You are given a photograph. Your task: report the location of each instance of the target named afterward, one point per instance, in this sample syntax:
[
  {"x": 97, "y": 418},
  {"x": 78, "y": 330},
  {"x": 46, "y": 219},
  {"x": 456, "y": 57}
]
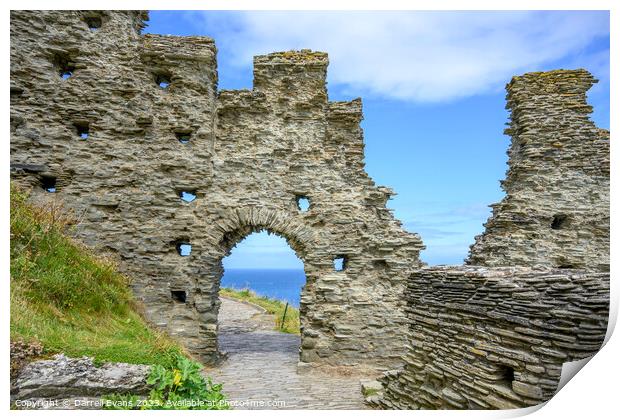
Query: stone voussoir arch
[{"x": 238, "y": 223}]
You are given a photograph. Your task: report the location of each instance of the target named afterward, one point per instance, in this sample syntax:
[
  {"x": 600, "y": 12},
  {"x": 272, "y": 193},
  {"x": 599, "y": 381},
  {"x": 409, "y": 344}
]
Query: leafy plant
[{"x": 182, "y": 387}]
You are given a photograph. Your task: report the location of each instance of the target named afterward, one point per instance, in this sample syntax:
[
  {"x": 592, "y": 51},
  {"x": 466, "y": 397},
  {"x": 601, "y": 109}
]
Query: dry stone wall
[
  {"x": 140, "y": 121},
  {"x": 556, "y": 209},
  {"x": 495, "y": 338}
]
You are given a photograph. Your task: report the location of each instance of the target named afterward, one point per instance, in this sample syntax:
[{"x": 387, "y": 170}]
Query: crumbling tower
[
  {"x": 556, "y": 209},
  {"x": 495, "y": 334}
]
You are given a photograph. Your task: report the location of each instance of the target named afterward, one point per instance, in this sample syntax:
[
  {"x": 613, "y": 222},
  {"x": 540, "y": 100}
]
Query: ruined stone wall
[
  {"x": 556, "y": 208},
  {"x": 495, "y": 338},
  {"x": 247, "y": 156}
]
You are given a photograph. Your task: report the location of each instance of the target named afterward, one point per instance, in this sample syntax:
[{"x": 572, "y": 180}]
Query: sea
[{"x": 282, "y": 284}]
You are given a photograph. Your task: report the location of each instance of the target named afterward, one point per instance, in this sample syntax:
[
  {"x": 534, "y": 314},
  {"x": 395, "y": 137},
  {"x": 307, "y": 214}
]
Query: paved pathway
[{"x": 262, "y": 366}]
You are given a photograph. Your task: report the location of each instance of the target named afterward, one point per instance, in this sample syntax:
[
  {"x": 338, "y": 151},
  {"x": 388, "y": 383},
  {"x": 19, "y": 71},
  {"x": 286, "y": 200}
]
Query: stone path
[{"x": 261, "y": 367}]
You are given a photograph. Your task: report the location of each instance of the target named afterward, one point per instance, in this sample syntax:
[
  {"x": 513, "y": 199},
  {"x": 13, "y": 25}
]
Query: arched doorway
[
  {"x": 241, "y": 223},
  {"x": 262, "y": 364},
  {"x": 351, "y": 305},
  {"x": 260, "y": 290},
  {"x": 266, "y": 264}
]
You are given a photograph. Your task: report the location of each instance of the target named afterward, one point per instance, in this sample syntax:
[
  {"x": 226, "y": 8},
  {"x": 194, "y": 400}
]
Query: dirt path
[{"x": 261, "y": 367}]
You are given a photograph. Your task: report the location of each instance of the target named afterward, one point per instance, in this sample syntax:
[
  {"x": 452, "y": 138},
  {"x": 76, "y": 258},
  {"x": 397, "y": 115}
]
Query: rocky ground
[
  {"x": 261, "y": 369},
  {"x": 74, "y": 383}
]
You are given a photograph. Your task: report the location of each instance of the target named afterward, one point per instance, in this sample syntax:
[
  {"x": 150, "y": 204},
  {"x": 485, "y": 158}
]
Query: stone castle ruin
[
  {"x": 556, "y": 209},
  {"x": 123, "y": 127},
  {"x": 496, "y": 334}
]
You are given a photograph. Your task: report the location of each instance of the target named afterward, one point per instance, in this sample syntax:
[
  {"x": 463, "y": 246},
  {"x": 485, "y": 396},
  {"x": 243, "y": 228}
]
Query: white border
[{"x": 592, "y": 395}]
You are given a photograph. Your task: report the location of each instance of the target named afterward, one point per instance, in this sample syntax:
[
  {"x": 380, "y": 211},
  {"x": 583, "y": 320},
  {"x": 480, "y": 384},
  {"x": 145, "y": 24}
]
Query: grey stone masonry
[
  {"x": 556, "y": 208},
  {"x": 495, "y": 338},
  {"x": 495, "y": 334},
  {"x": 62, "y": 380},
  {"x": 121, "y": 125}
]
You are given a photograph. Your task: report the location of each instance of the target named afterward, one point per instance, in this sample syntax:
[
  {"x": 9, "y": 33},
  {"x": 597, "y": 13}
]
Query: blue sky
[{"x": 432, "y": 85}]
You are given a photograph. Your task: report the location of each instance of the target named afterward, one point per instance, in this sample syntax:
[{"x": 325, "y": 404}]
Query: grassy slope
[
  {"x": 71, "y": 301},
  {"x": 272, "y": 306}
]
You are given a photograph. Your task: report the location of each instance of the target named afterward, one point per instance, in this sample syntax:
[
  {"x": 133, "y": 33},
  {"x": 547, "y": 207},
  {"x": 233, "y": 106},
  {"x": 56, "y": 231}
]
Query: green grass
[
  {"x": 369, "y": 392},
  {"x": 71, "y": 301},
  {"x": 272, "y": 306}
]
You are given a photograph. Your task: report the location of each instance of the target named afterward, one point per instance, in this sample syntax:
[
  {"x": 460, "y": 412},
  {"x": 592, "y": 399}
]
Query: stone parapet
[{"x": 494, "y": 338}]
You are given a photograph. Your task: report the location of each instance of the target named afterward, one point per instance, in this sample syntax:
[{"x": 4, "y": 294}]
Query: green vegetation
[
  {"x": 179, "y": 388},
  {"x": 367, "y": 392},
  {"x": 272, "y": 306},
  {"x": 67, "y": 300},
  {"x": 70, "y": 301}
]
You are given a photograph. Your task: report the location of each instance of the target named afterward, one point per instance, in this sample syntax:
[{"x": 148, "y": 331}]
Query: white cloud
[{"x": 419, "y": 56}]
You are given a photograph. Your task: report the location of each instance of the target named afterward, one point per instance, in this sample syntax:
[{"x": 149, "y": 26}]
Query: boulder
[{"x": 62, "y": 378}]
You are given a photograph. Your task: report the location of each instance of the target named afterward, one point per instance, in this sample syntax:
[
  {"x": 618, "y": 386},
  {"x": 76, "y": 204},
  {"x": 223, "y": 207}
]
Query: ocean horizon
[{"x": 284, "y": 284}]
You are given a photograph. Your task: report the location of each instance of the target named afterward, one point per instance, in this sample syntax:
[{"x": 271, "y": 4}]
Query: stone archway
[{"x": 241, "y": 224}]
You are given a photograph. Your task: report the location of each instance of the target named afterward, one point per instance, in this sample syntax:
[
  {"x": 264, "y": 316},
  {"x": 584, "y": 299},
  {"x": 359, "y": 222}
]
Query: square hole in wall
[
  {"x": 559, "y": 221},
  {"x": 16, "y": 92},
  {"x": 303, "y": 203},
  {"x": 48, "y": 183},
  {"x": 187, "y": 196},
  {"x": 64, "y": 65},
  {"x": 83, "y": 129},
  {"x": 183, "y": 248},
  {"x": 163, "y": 79},
  {"x": 380, "y": 264},
  {"x": 507, "y": 375},
  {"x": 183, "y": 136},
  {"x": 93, "y": 22},
  {"x": 179, "y": 295},
  {"x": 340, "y": 263}
]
